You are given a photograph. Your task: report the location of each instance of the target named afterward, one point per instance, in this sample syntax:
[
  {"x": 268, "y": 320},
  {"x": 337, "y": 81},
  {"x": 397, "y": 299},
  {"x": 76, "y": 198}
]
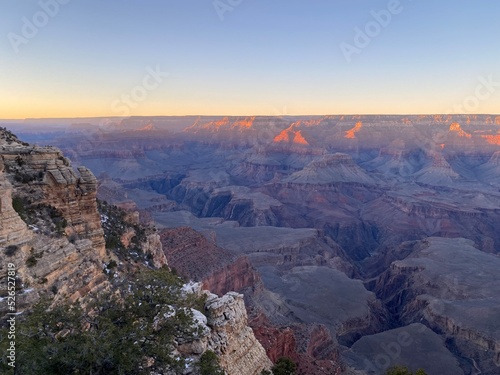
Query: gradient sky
[{"x": 266, "y": 57}]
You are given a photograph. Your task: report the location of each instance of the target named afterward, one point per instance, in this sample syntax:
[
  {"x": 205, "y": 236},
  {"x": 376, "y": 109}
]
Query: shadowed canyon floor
[{"x": 365, "y": 241}]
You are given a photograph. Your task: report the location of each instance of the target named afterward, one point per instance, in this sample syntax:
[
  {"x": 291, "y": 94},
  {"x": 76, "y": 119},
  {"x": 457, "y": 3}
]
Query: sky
[{"x": 84, "y": 58}]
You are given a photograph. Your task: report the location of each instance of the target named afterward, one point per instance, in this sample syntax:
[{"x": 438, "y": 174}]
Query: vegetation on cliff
[
  {"x": 400, "y": 370},
  {"x": 130, "y": 331},
  {"x": 115, "y": 224}
]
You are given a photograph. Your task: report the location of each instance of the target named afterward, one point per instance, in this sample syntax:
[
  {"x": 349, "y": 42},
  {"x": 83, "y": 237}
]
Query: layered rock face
[
  {"x": 45, "y": 188},
  {"x": 195, "y": 257},
  {"x": 224, "y": 330},
  {"x": 154, "y": 247},
  {"x": 452, "y": 286},
  {"x": 237, "y": 276},
  {"x": 232, "y": 339},
  {"x": 192, "y": 255},
  {"x": 46, "y": 176},
  {"x": 13, "y": 229}
]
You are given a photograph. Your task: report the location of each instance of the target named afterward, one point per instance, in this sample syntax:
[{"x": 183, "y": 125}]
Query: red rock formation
[
  {"x": 278, "y": 342},
  {"x": 291, "y": 135},
  {"x": 235, "y": 276},
  {"x": 492, "y": 139},
  {"x": 192, "y": 255},
  {"x": 195, "y": 257},
  {"x": 351, "y": 134},
  {"x": 226, "y": 122},
  {"x": 456, "y": 128},
  {"x": 311, "y": 347}
]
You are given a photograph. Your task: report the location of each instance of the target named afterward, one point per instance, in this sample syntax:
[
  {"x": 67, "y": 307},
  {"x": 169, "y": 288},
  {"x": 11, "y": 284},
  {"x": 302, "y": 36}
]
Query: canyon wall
[{"x": 60, "y": 238}]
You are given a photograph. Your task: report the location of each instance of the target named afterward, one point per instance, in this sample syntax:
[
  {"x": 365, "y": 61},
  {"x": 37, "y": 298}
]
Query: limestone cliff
[
  {"x": 152, "y": 246},
  {"x": 46, "y": 176},
  {"x": 13, "y": 229},
  {"x": 197, "y": 258},
  {"x": 49, "y": 224},
  {"x": 231, "y": 338}
]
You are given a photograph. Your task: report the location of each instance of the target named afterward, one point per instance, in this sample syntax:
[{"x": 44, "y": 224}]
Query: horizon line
[{"x": 222, "y": 115}]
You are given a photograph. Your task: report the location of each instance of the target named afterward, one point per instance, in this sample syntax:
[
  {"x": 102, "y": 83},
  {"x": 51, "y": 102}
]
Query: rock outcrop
[
  {"x": 13, "y": 229},
  {"x": 199, "y": 259},
  {"x": 45, "y": 176},
  {"x": 154, "y": 248},
  {"x": 452, "y": 287},
  {"x": 232, "y": 339},
  {"x": 50, "y": 228},
  {"x": 235, "y": 276}
]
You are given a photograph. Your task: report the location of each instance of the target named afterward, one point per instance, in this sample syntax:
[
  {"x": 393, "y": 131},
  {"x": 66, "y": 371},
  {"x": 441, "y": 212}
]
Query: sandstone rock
[
  {"x": 13, "y": 229},
  {"x": 154, "y": 247},
  {"x": 239, "y": 351},
  {"x": 49, "y": 262}
]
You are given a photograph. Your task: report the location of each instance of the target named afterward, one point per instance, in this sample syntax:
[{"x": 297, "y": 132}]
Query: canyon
[
  {"x": 54, "y": 233},
  {"x": 356, "y": 242}
]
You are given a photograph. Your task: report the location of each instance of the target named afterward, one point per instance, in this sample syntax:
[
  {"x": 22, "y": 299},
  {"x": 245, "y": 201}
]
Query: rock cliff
[
  {"x": 196, "y": 258},
  {"x": 451, "y": 286},
  {"x": 13, "y": 229},
  {"x": 232, "y": 339},
  {"x": 49, "y": 228}
]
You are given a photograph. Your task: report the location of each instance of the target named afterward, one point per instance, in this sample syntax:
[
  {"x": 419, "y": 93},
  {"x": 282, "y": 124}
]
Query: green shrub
[
  {"x": 209, "y": 364},
  {"x": 73, "y": 238},
  {"x": 117, "y": 336},
  {"x": 11, "y": 250},
  {"x": 20, "y": 161},
  {"x": 284, "y": 366},
  {"x": 31, "y": 261},
  {"x": 33, "y": 258},
  {"x": 401, "y": 370},
  {"x": 19, "y": 205}
]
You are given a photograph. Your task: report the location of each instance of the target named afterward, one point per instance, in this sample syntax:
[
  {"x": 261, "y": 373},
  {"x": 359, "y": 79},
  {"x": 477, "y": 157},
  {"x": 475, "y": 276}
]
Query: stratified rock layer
[
  {"x": 66, "y": 264},
  {"x": 239, "y": 351}
]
